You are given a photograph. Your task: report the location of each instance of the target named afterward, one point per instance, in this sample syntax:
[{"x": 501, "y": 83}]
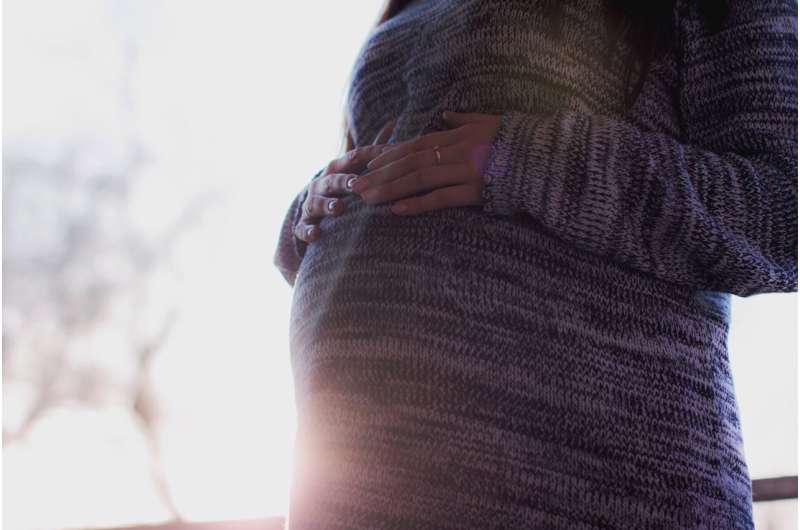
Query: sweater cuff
[
  {"x": 300, "y": 245},
  {"x": 291, "y": 250},
  {"x": 514, "y": 174}
]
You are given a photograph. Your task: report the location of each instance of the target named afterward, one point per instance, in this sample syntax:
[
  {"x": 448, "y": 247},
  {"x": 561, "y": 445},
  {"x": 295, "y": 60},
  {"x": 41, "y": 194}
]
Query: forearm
[
  {"x": 714, "y": 209},
  {"x": 716, "y": 221}
]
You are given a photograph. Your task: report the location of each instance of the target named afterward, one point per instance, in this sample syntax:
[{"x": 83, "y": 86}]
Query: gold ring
[{"x": 438, "y": 155}]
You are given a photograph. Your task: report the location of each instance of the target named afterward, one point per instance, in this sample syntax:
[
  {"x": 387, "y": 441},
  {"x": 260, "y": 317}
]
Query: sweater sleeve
[
  {"x": 715, "y": 210},
  {"x": 290, "y": 249}
]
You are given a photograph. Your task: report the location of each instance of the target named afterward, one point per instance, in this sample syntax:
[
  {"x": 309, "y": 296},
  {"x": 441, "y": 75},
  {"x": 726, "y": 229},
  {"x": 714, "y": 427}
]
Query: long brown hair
[{"x": 646, "y": 24}]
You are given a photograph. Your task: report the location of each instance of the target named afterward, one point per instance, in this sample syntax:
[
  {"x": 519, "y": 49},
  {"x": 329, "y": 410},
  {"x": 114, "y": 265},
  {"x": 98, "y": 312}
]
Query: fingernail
[
  {"x": 332, "y": 205},
  {"x": 370, "y": 163},
  {"x": 360, "y": 184},
  {"x": 310, "y": 231},
  {"x": 349, "y": 183},
  {"x": 399, "y": 208}
]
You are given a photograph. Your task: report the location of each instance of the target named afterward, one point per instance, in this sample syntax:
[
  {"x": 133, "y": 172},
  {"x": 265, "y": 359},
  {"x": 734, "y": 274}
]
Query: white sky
[{"x": 241, "y": 97}]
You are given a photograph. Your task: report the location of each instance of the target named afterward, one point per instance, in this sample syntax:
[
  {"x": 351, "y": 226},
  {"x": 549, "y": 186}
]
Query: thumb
[
  {"x": 461, "y": 118},
  {"x": 385, "y": 133}
]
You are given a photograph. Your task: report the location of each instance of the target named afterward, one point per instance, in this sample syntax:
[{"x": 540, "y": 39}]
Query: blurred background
[{"x": 150, "y": 152}]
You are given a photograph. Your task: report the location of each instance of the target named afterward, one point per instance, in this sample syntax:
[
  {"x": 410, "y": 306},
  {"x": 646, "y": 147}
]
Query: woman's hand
[
  {"x": 411, "y": 167},
  {"x": 336, "y": 181}
]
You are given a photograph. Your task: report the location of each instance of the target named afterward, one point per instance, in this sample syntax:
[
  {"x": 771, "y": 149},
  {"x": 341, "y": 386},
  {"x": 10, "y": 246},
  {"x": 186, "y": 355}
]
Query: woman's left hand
[{"x": 411, "y": 167}]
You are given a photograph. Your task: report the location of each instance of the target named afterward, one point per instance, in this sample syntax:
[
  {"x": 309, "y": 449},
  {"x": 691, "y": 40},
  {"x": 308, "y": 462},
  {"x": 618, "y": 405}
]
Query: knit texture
[{"x": 556, "y": 356}]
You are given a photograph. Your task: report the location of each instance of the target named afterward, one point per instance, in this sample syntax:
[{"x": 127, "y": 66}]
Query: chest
[{"x": 489, "y": 56}]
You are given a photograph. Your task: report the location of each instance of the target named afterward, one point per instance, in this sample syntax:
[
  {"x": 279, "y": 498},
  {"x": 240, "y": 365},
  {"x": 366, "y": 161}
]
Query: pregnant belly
[
  {"x": 462, "y": 294},
  {"x": 455, "y": 350}
]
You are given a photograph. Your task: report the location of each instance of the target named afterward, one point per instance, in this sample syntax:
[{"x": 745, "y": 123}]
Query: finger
[
  {"x": 385, "y": 133},
  {"x": 463, "y": 118},
  {"x": 449, "y": 197},
  {"x": 450, "y": 154},
  {"x": 355, "y": 160},
  {"x": 318, "y": 206},
  {"x": 399, "y": 150},
  {"x": 334, "y": 185},
  {"x": 306, "y": 232},
  {"x": 424, "y": 179}
]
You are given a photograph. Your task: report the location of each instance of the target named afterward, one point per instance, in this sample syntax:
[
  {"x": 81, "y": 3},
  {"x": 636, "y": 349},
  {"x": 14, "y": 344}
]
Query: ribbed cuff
[
  {"x": 300, "y": 245},
  {"x": 512, "y": 173},
  {"x": 290, "y": 251}
]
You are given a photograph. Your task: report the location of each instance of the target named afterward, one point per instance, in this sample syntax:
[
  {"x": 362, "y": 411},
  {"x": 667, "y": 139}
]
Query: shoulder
[
  {"x": 738, "y": 77},
  {"x": 724, "y": 19},
  {"x": 736, "y": 34}
]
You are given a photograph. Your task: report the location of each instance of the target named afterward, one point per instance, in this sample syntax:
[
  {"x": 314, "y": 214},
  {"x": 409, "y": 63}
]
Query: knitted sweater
[{"x": 556, "y": 356}]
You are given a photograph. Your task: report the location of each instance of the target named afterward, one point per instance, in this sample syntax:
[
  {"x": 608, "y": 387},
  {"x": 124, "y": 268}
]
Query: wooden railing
[{"x": 775, "y": 489}]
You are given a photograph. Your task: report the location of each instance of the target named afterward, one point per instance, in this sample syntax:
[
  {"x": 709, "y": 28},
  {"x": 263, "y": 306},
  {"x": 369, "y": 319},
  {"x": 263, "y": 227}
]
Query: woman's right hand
[{"x": 337, "y": 181}]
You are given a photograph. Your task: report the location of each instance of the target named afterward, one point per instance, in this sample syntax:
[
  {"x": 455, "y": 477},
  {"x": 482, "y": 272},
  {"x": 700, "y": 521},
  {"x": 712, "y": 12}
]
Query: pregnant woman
[{"x": 539, "y": 339}]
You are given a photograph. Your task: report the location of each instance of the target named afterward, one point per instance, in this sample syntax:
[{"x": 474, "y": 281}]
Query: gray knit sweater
[{"x": 555, "y": 357}]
